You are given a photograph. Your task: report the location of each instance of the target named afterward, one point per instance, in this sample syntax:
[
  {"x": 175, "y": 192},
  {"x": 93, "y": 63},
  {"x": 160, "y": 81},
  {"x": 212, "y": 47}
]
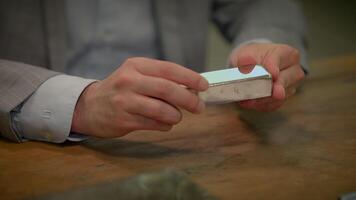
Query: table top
[{"x": 305, "y": 150}]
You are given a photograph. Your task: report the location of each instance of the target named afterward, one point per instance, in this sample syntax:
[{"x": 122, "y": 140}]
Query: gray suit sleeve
[
  {"x": 17, "y": 82},
  {"x": 280, "y": 21}
]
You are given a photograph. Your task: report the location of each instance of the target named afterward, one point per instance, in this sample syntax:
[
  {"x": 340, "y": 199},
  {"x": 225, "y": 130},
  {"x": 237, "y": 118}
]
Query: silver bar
[{"x": 230, "y": 85}]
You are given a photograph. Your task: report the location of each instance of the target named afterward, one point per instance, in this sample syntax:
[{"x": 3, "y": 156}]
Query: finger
[
  {"x": 272, "y": 106},
  {"x": 247, "y": 104},
  {"x": 154, "y": 109},
  {"x": 291, "y": 76},
  {"x": 281, "y": 95},
  {"x": 175, "y": 73},
  {"x": 288, "y": 56},
  {"x": 269, "y": 103},
  {"x": 290, "y": 92},
  {"x": 244, "y": 57},
  {"x": 171, "y": 92},
  {"x": 256, "y": 54},
  {"x": 273, "y": 57},
  {"x": 246, "y": 69},
  {"x": 138, "y": 122},
  {"x": 281, "y": 55},
  {"x": 278, "y": 92}
]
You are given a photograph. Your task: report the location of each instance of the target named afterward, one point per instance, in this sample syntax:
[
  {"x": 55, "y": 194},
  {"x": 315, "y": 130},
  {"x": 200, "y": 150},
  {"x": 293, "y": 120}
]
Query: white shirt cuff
[{"x": 47, "y": 114}]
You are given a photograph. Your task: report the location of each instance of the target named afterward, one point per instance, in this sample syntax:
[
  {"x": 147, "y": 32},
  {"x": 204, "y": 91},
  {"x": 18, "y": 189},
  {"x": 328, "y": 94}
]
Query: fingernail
[
  {"x": 203, "y": 84},
  {"x": 201, "y": 106}
]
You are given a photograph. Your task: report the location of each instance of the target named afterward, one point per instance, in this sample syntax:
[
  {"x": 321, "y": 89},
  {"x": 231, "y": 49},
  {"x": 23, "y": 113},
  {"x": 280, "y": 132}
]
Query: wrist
[{"x": 81, "y": 110}]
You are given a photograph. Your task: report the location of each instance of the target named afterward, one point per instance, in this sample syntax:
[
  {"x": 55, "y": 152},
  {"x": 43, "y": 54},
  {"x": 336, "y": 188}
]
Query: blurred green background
[{"x": 331, "y": 32}]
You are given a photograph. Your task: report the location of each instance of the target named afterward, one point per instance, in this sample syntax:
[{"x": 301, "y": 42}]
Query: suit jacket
[{"x": 33, "y": 38}]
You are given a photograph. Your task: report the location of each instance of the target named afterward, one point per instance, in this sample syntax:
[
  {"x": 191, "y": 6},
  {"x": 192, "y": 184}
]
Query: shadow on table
[
  {"x": 278, "y": 127},
  {"x": 168, "y": 184},
  {"x": 134, "y": 149}
]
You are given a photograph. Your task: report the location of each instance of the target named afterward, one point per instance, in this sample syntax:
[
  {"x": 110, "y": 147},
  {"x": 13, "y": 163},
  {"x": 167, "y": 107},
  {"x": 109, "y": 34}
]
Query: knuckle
[
  {"x": 272, "y": 65},
  {"x": 170, "y": 116},
  {"x": 166, "y": 70},
  {"x": 124, "y": 79},
  {"x": 176, "y": 117},
  {"x": 282, "y": 82},
  {"x": 164, "y": 90},
  {"x": 194, "y": 102},
  {"x": 130, "y": 62},
  {"x": 284, "y": 47},
  {"x": 295, "y": 55},
  {"x": 300, "y": 75},
  {"x": 197, "y": 80},
  {"x": 269, "y": 62},
  {"x": 133, "y": 62},
  {"x": 158, "y": 110},
  {"x": 283, "y": 97},
  {"x": 272, "y": 49},
  {"x": 295, "y": 52}
]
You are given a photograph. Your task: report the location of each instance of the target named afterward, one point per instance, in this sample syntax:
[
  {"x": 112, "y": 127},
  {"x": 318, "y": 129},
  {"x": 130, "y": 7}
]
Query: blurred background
[{"x": 331, "y": 32}]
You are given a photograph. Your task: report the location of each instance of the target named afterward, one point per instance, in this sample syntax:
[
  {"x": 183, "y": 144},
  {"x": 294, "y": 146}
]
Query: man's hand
[
  {"x": 143, "y": 94},
  {"x": 281, "y": 61}
]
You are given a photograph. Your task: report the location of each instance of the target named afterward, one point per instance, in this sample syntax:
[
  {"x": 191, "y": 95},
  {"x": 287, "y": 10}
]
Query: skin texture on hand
[
  {"x": 281, "y": 61},
  {"x": 142, "y": 94}
]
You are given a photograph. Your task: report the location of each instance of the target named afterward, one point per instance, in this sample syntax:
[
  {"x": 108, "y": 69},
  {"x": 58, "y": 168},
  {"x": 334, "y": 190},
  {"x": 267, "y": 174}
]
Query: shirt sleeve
[{"x": 47, "y": 114}]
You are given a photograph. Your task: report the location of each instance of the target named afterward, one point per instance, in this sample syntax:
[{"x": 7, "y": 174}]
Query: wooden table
[{"x": 306, "y": 150}]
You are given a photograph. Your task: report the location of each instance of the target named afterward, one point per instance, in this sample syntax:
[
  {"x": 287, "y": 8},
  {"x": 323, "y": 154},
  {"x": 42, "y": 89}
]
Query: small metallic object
[{"x": 230, "y": 85}]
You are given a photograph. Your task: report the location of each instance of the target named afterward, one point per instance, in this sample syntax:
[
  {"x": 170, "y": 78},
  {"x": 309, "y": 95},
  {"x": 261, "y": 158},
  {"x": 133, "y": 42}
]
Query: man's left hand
[{"x": 281, "y": 61}]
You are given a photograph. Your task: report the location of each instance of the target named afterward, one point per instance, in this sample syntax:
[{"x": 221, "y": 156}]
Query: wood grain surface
[{"x": 306, "y": 150}]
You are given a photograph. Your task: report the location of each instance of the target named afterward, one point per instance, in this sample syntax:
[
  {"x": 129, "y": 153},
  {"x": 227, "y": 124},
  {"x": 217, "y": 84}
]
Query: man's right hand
[{"x": 142, "y": 94}]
